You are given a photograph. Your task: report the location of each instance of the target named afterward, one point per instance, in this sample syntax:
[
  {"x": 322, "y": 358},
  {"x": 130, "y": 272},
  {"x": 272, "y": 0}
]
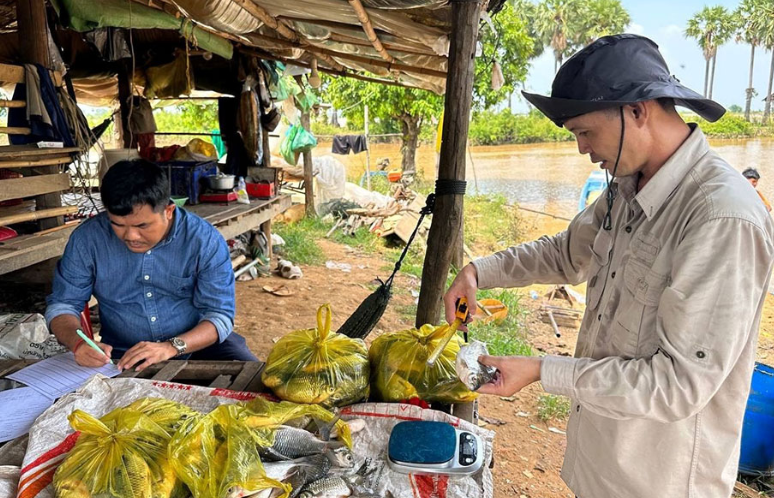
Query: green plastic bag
[
  {"x": 303, "y": 141},
  {"x": 286, "y": 147}
]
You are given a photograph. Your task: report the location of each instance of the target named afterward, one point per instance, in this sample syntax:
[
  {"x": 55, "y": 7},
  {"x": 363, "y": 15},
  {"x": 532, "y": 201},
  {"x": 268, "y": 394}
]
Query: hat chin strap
[{"x": 607, "y": 222}]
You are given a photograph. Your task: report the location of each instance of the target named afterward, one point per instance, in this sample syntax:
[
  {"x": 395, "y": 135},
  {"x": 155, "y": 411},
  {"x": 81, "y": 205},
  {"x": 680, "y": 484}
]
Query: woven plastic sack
[
  {"x": 399, "y": 368},
  {"x": 317, "y": 366},
  {"x": 123, "y": 454},
  {"x": 216, "y": 455}
]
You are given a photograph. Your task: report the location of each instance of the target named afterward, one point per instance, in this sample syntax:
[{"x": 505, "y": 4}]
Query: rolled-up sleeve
[
  {"x": 705, "y": 316},
  {"x": 73, "y": 279},
  {"x": 560, "y": 259},
  {"x": 215, "y": 295}
]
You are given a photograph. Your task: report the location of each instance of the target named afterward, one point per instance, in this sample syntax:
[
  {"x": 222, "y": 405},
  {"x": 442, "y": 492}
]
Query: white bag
[{"x": 26, "y": 337}]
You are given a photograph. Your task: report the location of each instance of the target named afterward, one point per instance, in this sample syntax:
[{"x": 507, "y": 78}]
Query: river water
[{"x": 549, "y": 177}]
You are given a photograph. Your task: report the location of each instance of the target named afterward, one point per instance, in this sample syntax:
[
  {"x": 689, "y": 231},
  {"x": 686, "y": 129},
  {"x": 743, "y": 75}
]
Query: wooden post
[
  {"x": 447, "y": 217},
  {"x": 33, "y": 30},
  {"x": 308, "y": 174}
]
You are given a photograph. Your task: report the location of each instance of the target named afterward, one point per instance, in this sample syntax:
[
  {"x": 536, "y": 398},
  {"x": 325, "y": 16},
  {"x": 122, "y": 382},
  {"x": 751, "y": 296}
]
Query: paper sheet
[
  {"x": 59, "y": 375},
  {"x": 18, "y": 410}
]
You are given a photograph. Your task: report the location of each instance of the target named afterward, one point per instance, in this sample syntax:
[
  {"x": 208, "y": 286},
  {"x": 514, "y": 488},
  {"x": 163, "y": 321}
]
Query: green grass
[
  {"x": 301, "y": 241},
  {"x": 553, "y": 407},
  {"x": 506, "y": 338},
  {"x": 491, "y": 224}
]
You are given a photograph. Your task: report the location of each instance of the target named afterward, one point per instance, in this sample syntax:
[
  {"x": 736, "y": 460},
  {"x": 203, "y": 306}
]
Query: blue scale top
[{"x": 422, "y": 442}]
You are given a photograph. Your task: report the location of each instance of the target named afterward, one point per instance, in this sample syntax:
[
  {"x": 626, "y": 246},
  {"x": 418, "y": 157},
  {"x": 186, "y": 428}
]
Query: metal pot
[{"x": 220, "y": 182}]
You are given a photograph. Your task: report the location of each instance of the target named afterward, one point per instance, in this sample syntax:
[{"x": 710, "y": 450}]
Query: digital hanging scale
[{"x": 425, "y": 447}]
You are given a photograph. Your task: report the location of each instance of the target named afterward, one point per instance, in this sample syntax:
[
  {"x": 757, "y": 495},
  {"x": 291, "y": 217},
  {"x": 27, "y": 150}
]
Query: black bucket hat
[{"x": 612, "y": 72}]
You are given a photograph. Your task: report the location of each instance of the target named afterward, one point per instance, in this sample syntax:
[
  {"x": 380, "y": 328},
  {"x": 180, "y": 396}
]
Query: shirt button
[
  {"x": 700, "y": 354},
  {"x": 147, "y": 277},
  {"x": 577, "y": 408},
  {"x": 599, "y": 317},
  {"x": 153, "y": 318},
  {"x": 612, "y": 275},
  {"x": 148, "y": 252},
  {"x": 150, "y": 294},
  {"x": 628, "y": 229}
]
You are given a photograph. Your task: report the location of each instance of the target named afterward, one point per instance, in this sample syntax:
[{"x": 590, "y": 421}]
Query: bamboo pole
[
  {"x": 13, "y": 103},
  {"x": 15, "y": 130},
  {"x": 344, "y": 73},
  {"x": 365, "y": 21},
  {"x": 31, "y": 163},
  {"x": 320, "y": 52},
  {"x": 37, "y": 215},
  {"x": 263, "y": 15}
]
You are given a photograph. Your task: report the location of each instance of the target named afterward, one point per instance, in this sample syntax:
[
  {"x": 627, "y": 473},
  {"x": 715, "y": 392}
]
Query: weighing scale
[{"x": 425, "y": 447}]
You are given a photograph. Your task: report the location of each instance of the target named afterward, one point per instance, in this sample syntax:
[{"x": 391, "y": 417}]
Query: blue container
[
  {"x": 757, "y": 453},
  {"x": 187, "y": 177},
  {"x": 595, "y": 184}
]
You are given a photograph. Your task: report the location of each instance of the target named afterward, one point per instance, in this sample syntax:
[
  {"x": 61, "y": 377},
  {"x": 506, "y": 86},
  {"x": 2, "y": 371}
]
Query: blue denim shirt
[{"x": 153, "y": 296}]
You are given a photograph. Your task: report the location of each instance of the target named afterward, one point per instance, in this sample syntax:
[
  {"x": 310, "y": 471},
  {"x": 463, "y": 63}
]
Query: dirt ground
[{"x": 528, "y": 451}]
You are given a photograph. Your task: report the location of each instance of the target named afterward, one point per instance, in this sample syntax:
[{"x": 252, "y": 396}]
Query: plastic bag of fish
[
  {"x": 317, "y": 366},
  {"x": 124, "y": 453},
  {"x": 224, "y": 454},
  {"x": 399, "y": 369}
]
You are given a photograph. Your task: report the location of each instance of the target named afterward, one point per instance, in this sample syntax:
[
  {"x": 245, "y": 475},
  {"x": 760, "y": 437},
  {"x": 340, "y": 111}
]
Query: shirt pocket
[
  {"x": 177, "y": 286},
  {"x": 600, "y": 258},
  {"x": 635, "y": 324}
]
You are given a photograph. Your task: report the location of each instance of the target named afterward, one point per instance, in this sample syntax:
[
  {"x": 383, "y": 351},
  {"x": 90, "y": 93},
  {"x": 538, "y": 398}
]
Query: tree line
[{"x": 752, "y": 22}]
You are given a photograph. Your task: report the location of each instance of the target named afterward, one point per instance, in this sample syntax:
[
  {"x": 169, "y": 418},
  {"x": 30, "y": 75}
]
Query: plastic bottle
[{"x": 242, "y": 196}]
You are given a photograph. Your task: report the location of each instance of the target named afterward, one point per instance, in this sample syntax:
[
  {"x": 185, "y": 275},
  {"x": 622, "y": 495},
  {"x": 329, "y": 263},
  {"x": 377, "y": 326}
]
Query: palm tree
[
  {"x": 556, "y": 22},
  {"x": 749, "y": 24},
  {"x": 712, "y": 27},
  {"x": 767, "y": 41},
  {"x": 601, "y": 18}
]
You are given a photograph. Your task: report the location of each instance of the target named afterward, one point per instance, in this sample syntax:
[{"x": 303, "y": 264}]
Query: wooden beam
[
  {"x": 391, "y": 66},
  {"x": 446, "y": 226},
  {"x": 365, "y": 21},
  {"x": 13, "y": 103},
  {"x": 17, "y": 188},
  {"x": 12, "y": 152},
  {"x": 263, "y": 15},
  {"x": 39, "y": 214},
  {"x": 15, "y": 130},
  {"x": 344, "y": 73}
]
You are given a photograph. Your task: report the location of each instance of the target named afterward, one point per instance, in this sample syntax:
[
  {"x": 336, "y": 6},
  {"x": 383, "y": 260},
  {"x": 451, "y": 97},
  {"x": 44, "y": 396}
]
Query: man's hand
[
  {"x": 464, "y": 285},
  {"x": 143, "y": 354},
  {"x": 86, "y": 356},
  {"x": 515, "y": 373}
]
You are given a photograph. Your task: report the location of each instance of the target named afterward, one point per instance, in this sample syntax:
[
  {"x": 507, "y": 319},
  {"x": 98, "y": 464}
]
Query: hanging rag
[
  {"x": 43, "y": 114},
  {"x": 343, "y": 144}
]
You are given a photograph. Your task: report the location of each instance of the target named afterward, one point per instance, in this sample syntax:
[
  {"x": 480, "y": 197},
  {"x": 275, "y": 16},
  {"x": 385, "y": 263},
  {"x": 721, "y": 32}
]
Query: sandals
[{"x": 279, "y": 291}]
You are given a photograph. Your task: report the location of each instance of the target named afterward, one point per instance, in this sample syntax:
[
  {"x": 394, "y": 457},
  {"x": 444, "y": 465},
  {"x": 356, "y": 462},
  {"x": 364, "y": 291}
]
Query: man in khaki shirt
[{"x": 677, "y": 255}]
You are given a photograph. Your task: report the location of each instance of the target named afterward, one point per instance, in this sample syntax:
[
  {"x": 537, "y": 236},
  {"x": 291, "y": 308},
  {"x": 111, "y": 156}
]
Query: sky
[{"x": 664, "y": 22}]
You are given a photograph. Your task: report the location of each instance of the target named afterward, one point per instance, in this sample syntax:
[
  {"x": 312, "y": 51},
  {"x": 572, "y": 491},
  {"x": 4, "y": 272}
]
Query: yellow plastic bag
[
  {"x": 123, "y": 454},
  {"x": 317, "y": 366},
  {"x": 399, "y": 367},
  {"x": 216, "y": 455}
]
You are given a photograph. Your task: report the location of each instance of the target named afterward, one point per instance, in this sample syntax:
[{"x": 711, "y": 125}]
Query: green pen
[{"x": 91, "y": 343}]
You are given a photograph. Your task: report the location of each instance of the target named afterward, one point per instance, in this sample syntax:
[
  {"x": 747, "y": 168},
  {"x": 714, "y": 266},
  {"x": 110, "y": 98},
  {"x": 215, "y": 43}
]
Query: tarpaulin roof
[{"x": 402, "y": 42}]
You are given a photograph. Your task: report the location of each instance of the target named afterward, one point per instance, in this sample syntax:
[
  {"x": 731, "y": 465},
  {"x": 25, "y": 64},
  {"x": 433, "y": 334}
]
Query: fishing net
[
  {"x": 317, "y": 366},
  {"x": 399, "y": 367},
  {"x": 216, "y": 455},
  {"x": 124, "y": 453}
]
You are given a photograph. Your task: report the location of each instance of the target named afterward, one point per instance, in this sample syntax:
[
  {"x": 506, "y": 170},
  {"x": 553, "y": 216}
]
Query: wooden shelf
[{"x": 8, "y": 152}]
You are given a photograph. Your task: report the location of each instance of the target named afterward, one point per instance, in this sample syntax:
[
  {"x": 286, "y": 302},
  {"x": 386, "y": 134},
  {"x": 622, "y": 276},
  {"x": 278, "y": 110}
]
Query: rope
[
  {"x": 450, "y": 187},
  {"x": 428, "y": 209}
]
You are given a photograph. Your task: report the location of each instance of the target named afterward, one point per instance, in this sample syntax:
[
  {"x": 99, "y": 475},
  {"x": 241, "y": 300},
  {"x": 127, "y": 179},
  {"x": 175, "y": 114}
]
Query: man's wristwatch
[{"x": 178, "y": 344}]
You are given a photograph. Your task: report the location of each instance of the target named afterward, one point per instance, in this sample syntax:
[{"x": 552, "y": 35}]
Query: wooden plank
[
  {"x": 13, "y": 103},
  {"x": 12, "y": 73},
  {"x": 169, "y": 370},
  {"x": 15, "y": 130},
  {"x": 30, "y": 151},
  {"x": 16, "y": 188},
  {"x": 31, "y": 163},
  {"x": 28, "y": 249},
  {"x": 11, "y": 366},
  {"x": 745, "y": 490},
  {"x": 38, "y": 214},
  {"x": 221, "y": 381},
  {"x": 250, "y": 370},
  {"x": 256, "y": 384}
]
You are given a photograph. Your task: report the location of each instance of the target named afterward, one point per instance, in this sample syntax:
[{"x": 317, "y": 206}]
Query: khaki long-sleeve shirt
[{"x": 665, "y": 353}]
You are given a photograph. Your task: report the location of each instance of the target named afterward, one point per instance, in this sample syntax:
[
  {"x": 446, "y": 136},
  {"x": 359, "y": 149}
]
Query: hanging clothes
[
  {"x": 343, "y": 144},
  {"x": 43, "y": 115}
]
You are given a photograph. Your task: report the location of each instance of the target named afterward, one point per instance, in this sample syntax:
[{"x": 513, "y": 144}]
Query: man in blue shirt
[{"x": 162, "y": 277}]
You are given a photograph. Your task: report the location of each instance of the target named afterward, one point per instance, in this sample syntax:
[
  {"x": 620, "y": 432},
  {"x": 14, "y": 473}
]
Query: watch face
[{"x": 179, "y": 344}]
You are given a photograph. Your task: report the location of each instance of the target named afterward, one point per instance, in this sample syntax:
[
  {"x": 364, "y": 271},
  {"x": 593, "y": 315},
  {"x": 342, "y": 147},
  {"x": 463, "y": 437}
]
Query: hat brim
[{"x": 560, "y": 110}]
